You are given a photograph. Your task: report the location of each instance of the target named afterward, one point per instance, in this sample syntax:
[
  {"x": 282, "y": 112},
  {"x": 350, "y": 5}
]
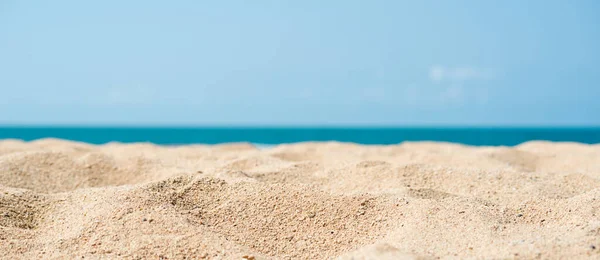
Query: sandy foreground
[{"x": 62, "y": 199}]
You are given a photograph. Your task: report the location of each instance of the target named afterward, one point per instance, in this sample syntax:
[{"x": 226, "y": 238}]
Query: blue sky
[{"x": 300, "y": 62}]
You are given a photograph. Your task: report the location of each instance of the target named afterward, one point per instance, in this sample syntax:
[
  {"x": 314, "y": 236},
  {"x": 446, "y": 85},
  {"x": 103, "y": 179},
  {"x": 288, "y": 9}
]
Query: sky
[{"x": 365, "y": 63}]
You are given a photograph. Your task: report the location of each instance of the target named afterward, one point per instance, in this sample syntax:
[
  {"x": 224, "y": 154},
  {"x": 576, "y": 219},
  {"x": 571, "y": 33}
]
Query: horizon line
[{"x": 301, "y": 126}]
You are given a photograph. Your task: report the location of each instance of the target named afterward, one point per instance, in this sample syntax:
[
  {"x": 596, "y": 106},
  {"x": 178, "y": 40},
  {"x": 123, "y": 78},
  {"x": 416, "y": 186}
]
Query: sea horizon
[{"x": 273, "y": 135}]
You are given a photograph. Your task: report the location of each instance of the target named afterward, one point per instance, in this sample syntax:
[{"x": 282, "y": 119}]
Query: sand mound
[
  {"x": 20, "y": 209},
  {"x": 50, "y": 172},
  {"x": 61, "y": 199},
  {"x": 280, "y": 220}
]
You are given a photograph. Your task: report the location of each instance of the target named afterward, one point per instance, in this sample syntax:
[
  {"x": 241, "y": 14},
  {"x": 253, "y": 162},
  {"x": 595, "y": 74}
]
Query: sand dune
[{"x": 424, "y": 200}]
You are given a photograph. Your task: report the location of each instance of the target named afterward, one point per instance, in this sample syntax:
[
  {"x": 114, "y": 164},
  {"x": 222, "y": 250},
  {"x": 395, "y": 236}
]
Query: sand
[{"x": 67, "y": 200}]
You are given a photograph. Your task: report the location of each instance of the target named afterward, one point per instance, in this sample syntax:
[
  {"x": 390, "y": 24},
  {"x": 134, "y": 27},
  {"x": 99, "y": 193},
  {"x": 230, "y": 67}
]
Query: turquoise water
[{"x": 272, "y": 135}]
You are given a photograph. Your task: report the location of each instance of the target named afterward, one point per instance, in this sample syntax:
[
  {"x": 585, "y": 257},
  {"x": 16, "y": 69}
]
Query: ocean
[{"x": 277, "y": 135}]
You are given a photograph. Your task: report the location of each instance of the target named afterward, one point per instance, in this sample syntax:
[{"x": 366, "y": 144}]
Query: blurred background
[{"x": 310, "y": 64}]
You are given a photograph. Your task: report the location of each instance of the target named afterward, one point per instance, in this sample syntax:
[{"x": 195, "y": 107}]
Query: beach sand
[{"x": 62, "y": 199}]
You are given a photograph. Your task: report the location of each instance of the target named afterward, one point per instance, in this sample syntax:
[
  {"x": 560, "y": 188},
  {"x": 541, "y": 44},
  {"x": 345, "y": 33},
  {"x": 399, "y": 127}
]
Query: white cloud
[
  {"x": 439, "y": 73},
  {"x": 457, "y": 83}
]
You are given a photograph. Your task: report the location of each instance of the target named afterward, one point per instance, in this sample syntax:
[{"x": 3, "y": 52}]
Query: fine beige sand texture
[{"x": 68, "y": 200}]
